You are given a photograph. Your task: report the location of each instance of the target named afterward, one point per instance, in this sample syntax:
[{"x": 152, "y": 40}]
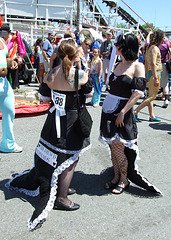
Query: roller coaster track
[
  {"x": 98, "y": 13},
  {"x": 121, "y": 12},
  {"x": 125, "y": 16}
]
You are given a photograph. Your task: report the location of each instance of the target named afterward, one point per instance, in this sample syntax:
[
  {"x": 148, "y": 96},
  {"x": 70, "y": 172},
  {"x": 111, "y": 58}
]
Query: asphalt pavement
[{"x": 135, "y": 214}]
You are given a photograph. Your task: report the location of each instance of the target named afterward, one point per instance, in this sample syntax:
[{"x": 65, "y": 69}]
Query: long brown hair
[
  {"x": 67, "y": 51},
  {"x": 156, "y": 38}
]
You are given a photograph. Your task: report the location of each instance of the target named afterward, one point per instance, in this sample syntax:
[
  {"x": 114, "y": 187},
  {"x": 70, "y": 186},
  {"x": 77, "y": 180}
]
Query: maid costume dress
[
  {"x": 121, "y": 88},
  {"x": 59, "y": 147}
]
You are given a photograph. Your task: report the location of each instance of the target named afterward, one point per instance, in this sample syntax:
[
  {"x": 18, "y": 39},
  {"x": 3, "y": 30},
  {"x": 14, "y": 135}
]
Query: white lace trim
[
  {"x": 30, "y": 193},
  {"x": 127, "y": 143},
  {"x": 131, "y": 144},
  {"x": 58, "y": 149},
  {"x": 53, "y": 191},
  {"x": 145, "y": 180}
]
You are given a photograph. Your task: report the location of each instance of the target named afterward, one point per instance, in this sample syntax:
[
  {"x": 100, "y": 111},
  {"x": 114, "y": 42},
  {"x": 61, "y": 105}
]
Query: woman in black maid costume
[
  {"x": 60, "y": 145},
  {"x": 118, "y": 128}
]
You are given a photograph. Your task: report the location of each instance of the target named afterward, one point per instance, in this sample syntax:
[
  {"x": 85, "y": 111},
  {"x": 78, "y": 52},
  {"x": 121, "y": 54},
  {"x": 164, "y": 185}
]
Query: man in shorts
[{"x": 48, "y": 50}]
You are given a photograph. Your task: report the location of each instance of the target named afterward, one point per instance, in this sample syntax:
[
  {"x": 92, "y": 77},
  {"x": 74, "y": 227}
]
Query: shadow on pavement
[
  {"x": 10, "y": 194},
  {"x": 161, "y": 126},
  {"x": 93, "y": 184}
]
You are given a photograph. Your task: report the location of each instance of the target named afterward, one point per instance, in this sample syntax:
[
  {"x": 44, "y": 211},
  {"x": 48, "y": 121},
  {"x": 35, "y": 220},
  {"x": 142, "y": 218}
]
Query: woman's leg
[
  {"x": 153, "y": 91},
  {"x": 97, "y": 90},
  {"x": 96, "y": 96},
  {"x": 149, "y": 101},
  {"x": 64, "y": 183},
  {"x": 150, "y": 109},
  {"x": 115, "y": 164},
  {"x": 8, "y": 113},
  {"x": 144, "y": 103},
  {"x": 116, "y": 177},
  {"x": 122, "y": 164}
]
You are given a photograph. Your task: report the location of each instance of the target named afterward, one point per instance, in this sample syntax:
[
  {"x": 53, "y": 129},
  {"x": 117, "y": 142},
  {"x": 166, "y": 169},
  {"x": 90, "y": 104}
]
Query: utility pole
[{"x": 78, "y": 15}]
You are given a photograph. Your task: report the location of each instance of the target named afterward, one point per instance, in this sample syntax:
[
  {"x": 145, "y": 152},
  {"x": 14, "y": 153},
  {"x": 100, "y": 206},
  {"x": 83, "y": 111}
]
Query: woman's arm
[
  {"x": 148, "y": 37},
  {"x": 138, "y": 73},
  {"x": 153, "y": 57},
  {"x": 131, "y": 102}
]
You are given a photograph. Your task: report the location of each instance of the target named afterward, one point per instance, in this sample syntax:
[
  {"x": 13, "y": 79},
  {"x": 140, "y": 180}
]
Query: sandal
[
  {"x": 111, "y": 185},
  {"x": 120, "y": 189}
]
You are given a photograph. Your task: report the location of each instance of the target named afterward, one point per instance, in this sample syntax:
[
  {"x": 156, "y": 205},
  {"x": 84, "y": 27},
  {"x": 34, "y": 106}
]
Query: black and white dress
[
  {"x": 121, "y": 88},
  {"x": 59, "y": 147}
]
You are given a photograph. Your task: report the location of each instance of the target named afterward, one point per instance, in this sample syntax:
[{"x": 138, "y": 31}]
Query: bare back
[{"x": 55, "y": 79}]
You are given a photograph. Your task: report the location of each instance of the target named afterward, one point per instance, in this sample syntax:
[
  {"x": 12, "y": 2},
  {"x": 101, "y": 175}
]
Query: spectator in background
[
  {"x": 37, "y": 48},
  {"x": 153, "y": 69},
  {"x": 54, "y": 60},
  {"x": 85, "y": 57},
  {"x": 164, "y": 83},
  {"x": 96, "y": 77},
  {"x": 48, "y": 50},
  {"x": 12, "y": 71},
  {"x": 41, "y": 63},
  {"x": 106, "y": 49},
  {"x": 8, "y": 143},
  {"x": 95, "y": 44}
]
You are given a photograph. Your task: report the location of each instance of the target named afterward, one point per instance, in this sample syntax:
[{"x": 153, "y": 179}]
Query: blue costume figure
[
  {"x": 94, "y": 44},
  {"x": 6, "y": 106},
  {"x": 96, "y": 77}
]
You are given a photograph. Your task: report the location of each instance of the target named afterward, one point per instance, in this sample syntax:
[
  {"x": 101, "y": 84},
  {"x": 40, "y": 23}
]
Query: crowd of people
[{"x": 70, "y": 72}]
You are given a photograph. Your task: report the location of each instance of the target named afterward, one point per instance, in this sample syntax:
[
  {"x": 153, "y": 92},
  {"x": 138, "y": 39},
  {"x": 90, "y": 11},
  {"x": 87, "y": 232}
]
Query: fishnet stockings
[{"x": 120, "y": 162}]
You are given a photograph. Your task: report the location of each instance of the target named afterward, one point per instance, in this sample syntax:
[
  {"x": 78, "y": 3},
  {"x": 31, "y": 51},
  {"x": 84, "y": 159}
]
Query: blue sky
[{"x": 151, "y": 11}]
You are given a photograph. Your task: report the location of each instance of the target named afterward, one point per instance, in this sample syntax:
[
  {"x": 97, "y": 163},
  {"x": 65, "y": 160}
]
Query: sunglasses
[{"x": 87, "y": 44}]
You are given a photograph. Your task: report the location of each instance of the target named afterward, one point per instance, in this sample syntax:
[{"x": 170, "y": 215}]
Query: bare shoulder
[
  {"x": 138, "y": 64},
  {"x": 50, "y": 76},
  {"x": 139, "y": 69},
  {"x": 154, "y": 49},
  {"x": 100, "y": 61}
]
